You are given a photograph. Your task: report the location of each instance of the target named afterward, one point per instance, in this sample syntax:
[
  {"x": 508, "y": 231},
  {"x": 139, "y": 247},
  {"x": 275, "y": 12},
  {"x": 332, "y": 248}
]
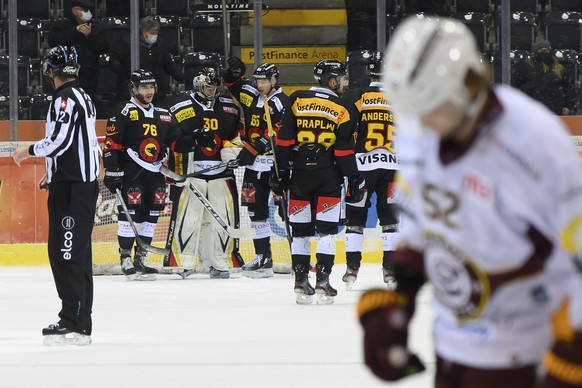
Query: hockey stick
[
  {"x": 142, "y": 244},
  {"x": 283, "y": 200},
  {"x": 181, "y": 178},
  {"x": 232, "y": 232}
]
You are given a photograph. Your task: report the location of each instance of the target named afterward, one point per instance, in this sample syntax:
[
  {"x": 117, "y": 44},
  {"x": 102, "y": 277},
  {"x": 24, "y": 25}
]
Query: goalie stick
[
  {"x": 142, "y": 244},
  {"x": 181, "y": 178},
  {"x": 283, "y": 198},
  {"x": 232, "y": 232}
]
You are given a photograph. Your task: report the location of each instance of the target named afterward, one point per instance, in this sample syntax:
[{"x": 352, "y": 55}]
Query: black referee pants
[{"x": 71, "y": 210}]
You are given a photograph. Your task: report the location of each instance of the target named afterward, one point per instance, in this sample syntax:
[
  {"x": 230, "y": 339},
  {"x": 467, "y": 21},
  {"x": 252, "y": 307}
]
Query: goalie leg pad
[{"x": 187, "y": 229}]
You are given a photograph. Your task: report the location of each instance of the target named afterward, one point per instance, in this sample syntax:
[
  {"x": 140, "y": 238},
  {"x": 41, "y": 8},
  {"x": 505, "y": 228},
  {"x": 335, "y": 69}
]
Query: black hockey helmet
[
  {"x": 63, "y": 60},
  {"x": 142, "y": 77},
  {"x": 326, "y": 69},
  {"x": 375, "y": 65},
  {"x": 266, "y": 71}
]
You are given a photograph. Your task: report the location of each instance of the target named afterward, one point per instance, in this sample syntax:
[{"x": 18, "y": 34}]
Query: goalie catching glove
[
  {"x": 385, "y": 315},
  {"x": 113, "y": 179},
  {"x": 249, "y": 152},
  {"x": 356, "y": 189}
]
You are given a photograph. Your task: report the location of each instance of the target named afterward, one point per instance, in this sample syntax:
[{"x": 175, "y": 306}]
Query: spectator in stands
[
  {"x": 545, "y": 79},
  {"x": 153, "y": 56},
  {"x": 84, "y": 33}
]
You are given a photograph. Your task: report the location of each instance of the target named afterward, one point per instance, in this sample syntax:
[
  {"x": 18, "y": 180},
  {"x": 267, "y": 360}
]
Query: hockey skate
[
  {"x": 260, "y": 267},
  {"x": 55, "y": 335},
  {"x": 140, "y": 262},
  {"x": 303, "y": 290},
  {"x": 219, "y": 274},
  {"x": 350, "y": 277},
  {"x": 325, "y": 292},
  {"x": 389, "y": 279},
  {"x": 127, "y": 267}
]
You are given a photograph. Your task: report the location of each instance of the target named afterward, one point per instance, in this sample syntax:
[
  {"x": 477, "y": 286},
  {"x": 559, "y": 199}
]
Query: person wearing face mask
[
  {"x": 85, "y": 34},
  {"x": 153, "y": 56},
  {"x": 544, "y": 79}
]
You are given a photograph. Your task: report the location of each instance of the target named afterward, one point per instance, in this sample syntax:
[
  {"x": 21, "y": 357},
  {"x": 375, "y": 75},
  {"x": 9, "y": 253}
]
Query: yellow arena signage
[{"x": 295, "y": 54}]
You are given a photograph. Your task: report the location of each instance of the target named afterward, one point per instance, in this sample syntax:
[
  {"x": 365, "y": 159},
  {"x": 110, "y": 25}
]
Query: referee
[{"x": 72, "y": 166}]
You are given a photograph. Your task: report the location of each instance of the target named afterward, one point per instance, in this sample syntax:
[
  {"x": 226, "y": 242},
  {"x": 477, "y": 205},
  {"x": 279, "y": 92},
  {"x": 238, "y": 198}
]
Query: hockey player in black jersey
[
  {"x": 256, "y": 154},
  {"x": 135, "y": 148},
  {"x": 316, "y": 143},
  {"x": 377, "y": 162},
  {"x": 71, "y": 153},
  {"x": 196, "y": 233}
]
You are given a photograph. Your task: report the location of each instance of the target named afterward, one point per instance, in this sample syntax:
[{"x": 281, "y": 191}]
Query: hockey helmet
[
  {"x": 326, "y": 69},
  {"x": 141, "y": 77},
  {"x": 209, "y": 78},
  {"x": 375, "y": 65},
  {"x": 426, "y": 64},
  {"x": 63, "y": 60},
  {"x": 266, "y": 71}
]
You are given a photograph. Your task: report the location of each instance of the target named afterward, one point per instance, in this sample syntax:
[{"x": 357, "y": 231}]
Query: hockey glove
[
  {"x": 279, "y": 181},
  {"x": 385, "y": 315},
  {"x": 356, "y": 189},
  {"x": 564, "y": 364},
  {"x": 204, "y": 137},
  {"x": 236, "y": 69},
  {"x": 249, "y": 152},
  {"x": 113, "y": 179}
]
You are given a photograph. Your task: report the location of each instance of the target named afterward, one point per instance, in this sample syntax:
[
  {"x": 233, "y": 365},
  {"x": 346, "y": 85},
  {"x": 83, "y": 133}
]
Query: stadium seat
[
  {"x": 206, "y": 32},
  {"x": 5, "y": 107},
  {"x": 357, "y": 63},
  {"x": 523, "y": 30},
  {"x": 569, "y": 59},
  {"x": 39, "y": 9},
  {"x": 38, "y": 106},
  {"x": 172, "y": 7},
  {"x": 193, "y": 62},
  {"x": 104, "y": 97},
  {"x": 121, "y": 8},
  {"x": 24, "y": 72},
  {"x": 532, "y": 6},
  {"x": 564, "y": 29},
  {"x": 116, "y": 29},
  {"x": 483, "y": 6},
  {"x": 478, "y": 23},
  {"x": 565, "y": 5},
  {"x": 515, "y": 55},
  {"x": 28, "y": 37},
  {"x": 171, "y": 33}
]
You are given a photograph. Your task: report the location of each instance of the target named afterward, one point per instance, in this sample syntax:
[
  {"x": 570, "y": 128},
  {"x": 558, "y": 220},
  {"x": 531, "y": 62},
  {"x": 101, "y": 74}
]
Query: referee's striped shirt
[{"x": 70, "y": 147}]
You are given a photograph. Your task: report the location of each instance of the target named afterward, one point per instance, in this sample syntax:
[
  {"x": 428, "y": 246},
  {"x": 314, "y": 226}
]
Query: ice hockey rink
[{"x": 197, "y": 332}]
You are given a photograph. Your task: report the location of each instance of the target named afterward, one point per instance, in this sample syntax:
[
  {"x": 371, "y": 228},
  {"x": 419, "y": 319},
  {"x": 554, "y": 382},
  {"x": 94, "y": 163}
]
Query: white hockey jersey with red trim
[{"x": 494, "y": 225}]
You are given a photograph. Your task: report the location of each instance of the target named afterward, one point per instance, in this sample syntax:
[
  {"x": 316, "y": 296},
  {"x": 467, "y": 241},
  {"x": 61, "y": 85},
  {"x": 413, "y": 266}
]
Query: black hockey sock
[
  {"x": 263, "y": 246},
  {"x": 354, "y": 259},
  {"x": 325, "y": 262},
  {"x": 126, "y": 242},
  {"x": 387, "y": 259}
]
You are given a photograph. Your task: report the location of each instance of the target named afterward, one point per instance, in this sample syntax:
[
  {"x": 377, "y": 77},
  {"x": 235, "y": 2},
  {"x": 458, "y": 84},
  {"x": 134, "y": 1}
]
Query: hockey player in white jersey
[{"x": 491, "y": 216}]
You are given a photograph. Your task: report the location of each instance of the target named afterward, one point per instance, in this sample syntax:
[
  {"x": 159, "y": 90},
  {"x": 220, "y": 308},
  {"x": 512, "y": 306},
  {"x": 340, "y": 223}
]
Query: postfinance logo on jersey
[
  {"x": 133, "y": 115},
  {"x": 185, "y": 114}
]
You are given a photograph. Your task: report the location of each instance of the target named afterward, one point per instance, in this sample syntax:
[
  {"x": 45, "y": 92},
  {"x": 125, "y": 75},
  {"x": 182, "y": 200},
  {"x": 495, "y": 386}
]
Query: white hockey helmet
[{"x": 426, "y": 63}]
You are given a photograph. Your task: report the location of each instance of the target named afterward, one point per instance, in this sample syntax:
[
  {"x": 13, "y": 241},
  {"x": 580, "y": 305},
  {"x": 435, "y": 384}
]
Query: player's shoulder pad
[
  {"x": 129, "y": 106},
  {"x": 181, "y": 104},
  {"x": 226, "y": 100},
  {"x": 278, "y": 104},
  {"x": 160, "y": 109},
  {"x": 250, "y": 89}
]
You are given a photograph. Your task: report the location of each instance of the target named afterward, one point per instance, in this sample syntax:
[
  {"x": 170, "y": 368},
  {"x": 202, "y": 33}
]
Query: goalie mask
[
  {"x": 206, "y": 83},
  {"x": 426, "y": 63},
  {"x": 63, "y": 60},
  {"x": 141, "y": 78}
]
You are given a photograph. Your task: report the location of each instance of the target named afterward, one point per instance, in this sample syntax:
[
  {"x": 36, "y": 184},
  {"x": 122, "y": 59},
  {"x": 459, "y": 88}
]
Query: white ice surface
[{"x": 197, "y": 332}]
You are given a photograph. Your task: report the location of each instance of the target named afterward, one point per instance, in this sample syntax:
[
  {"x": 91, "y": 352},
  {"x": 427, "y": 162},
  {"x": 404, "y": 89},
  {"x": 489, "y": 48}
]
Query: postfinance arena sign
[{"x": 295, "y": 54}]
